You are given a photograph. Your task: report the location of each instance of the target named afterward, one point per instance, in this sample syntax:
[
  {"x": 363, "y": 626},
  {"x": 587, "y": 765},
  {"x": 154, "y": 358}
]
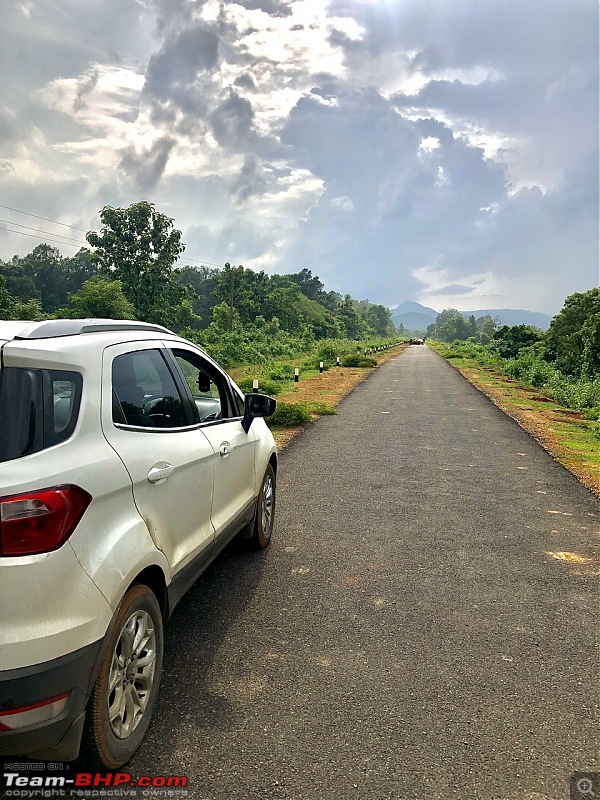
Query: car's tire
[
  {"x": 122, "y": 700},
  {"x": 265, "y": 511}
]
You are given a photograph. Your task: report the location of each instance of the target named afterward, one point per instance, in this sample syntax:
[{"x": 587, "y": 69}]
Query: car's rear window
[{"x": 38, "y": 409}]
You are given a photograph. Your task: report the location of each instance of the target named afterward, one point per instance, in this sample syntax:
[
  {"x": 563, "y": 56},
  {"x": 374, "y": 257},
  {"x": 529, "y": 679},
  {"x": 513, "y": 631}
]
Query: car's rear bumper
[{"x": 56, "y": 738}]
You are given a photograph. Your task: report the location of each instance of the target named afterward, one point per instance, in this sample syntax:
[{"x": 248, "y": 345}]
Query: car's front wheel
[
  {"x": 123, "y": 698},
  {"x": 265, "y": 512}
]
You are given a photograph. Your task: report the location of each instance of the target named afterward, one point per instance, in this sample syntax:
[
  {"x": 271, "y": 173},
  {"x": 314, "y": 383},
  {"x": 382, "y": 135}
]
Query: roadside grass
[
  {"x": 569, "y": 436},
  {"x": 315, "y": 395}
]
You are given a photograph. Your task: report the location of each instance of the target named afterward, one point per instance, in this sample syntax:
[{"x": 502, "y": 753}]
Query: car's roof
[
  {"x": 68, "y": 341},
  {"x": 49, "y": 329}
]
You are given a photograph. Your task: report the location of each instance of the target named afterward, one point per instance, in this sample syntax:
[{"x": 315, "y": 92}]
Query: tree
[
  {"x": 228, "y": 289},
  {"x": 139, "y": 246},
  {"x": 310, "y": 286},
  {"x": 347, "y": 313},
  {"x": 78, "y": 269},
  {"x": 572, "y": 338},
  {"x": 99, "y": 297},
  {"x": 450, "y": 324},
  {"x": 485, "y": 329},
  {"x": 509, "y": 340},
  {"x": 203, "y": 281},
  {"x": 19, "y": 285},
  {"x": 44, "y": 266},
  {"x": 379, "y": 318},
  {"x": 7, "y": 302}
]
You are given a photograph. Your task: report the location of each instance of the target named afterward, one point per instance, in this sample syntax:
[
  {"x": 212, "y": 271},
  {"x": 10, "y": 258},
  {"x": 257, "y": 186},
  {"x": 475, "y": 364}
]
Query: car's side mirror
[
  {"x": 203, "y": 383},
  {"x": 257, "y": 405}
]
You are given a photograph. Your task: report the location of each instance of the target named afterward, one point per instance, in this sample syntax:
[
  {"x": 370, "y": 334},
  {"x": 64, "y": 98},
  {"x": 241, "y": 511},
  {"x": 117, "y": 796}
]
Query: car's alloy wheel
[
  {"x": 265, "y": 513},
  {"x": 124, "y": 694},
  {"x": 131, "y": 674}
]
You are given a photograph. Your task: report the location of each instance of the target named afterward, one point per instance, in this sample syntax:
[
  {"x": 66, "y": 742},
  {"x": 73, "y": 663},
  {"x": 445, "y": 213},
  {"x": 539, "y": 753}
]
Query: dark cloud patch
[
  {"x": 6, "y": 168},
  {"x": 404, "y": 208},
  {"x": 276, "y": 8},
  {"x": 9, "y": 128},
  {"x": 250, "y": 181},
  {"x": 245, "y": 81},
  {"x": 453, "y": 289},
  {"x": 146, "y": 167},
  {"x": 232, "y": 120},
  {"x": 85, "y": 86},
  {"x": 175, "y": 15},
  {"x": 174, "y": 72}
]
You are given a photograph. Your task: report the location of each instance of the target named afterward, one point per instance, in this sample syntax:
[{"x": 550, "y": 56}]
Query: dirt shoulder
[
  {"x": 563, "y": 433},
  {"x": 330, "y": 387}
]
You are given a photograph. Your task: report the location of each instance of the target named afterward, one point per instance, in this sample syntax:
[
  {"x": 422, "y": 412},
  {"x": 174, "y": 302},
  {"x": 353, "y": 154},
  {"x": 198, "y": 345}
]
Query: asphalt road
[{"x": 408, "y": 635}]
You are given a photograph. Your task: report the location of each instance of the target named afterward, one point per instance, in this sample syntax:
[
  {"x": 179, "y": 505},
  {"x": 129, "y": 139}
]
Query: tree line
[
  {"x": 129, "y": 272},
  {"x": 571, "y": 344}
]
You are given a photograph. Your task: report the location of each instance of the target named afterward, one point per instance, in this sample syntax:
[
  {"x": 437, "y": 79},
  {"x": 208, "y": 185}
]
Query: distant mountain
[
  {"x": 416, "y": 317},
  {"x": 512, "y": 316},
  {"x": 413, "y": 316}
]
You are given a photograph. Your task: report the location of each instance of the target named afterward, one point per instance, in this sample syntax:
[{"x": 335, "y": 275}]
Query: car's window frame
[
  {"x": 42, "y": 433},
  {"x": 159, "y": 348},
  {"x": 201, "y": 362}
]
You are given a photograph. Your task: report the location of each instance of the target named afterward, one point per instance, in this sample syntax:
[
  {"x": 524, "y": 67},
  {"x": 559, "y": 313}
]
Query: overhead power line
[
  {"x": 38, "y": 237},
  {"x": 53, "y": 221},
  {"x": 64, "y": 224},
  {"x": 46, "y": 233}
]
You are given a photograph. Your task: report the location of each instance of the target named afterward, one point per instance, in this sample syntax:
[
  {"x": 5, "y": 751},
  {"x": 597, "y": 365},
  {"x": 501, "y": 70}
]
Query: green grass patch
[
  {"x": 290, "y": 415},
  {"x": 577, "y": 437},
  {"x": 358, "y": 361}
]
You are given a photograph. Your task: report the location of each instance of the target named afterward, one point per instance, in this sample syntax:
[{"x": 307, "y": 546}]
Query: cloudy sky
[{"x": 444, "y": 151}]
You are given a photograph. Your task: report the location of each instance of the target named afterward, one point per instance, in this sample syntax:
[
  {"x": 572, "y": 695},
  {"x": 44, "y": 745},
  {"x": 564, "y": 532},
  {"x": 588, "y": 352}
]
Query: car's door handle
[
  {"x": 157, "y": 474},
  {"x": 225, "y": 449}
]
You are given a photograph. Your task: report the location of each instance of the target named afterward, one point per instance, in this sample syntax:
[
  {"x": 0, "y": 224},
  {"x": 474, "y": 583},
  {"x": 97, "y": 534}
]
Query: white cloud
[{"x": 398, "y": 149}]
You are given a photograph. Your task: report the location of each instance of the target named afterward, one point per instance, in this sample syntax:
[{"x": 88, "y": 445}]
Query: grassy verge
[
  {"x": 566, "y": 434},
  {"x": 316, "y": 394}
]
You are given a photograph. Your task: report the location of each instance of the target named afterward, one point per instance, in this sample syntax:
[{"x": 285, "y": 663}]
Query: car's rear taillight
[{"x": 37, "y": 522}]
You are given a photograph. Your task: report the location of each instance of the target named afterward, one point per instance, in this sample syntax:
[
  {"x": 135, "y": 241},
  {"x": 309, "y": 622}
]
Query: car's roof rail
[{"x": 48, "y": 329}]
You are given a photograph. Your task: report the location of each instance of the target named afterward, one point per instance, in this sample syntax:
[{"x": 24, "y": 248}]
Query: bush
[
  {"x": 265, "y": 386},
  {"x": 288, "y": 415},
  {"x": 280, "y": 372},
  {"x": 320, "y": 408},
  {"x": 358, "y": 361}
]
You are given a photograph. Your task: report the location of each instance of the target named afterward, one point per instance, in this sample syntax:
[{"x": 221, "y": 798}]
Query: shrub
[
  {"x": 358, "y": 361},
  {"x": 265, "y": 386},
  {"x": 287, "y": 415},
  {"x": 320, "y": 408},
  {"x": 280, "y": 372}
]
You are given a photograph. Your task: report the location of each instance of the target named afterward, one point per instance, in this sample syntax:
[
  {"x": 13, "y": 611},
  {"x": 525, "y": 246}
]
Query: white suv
[{"x": 128, "y": 460}]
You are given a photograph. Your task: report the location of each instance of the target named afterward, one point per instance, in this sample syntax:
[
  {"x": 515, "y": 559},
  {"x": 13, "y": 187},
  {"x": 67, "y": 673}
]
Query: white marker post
[
  {"x": 296, "y": 375},
  {"x": 255, "y": 385}
]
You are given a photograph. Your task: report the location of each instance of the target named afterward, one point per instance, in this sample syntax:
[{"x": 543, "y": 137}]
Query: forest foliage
[{"x": 130, "y": 271}]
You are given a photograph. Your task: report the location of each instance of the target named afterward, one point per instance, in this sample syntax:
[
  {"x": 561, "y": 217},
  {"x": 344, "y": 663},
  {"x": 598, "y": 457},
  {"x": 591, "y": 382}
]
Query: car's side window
[
  {"x": 65, "y": 397},
  {"x": 146, "y": 393},
  {"x": 207, "y": 385}
]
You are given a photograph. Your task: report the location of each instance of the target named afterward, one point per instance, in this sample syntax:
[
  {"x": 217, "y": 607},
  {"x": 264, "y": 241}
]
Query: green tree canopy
[
  {"x": 509, "y": 340},
  {"x": 139, "y": 246},
  {"x": 573, "y": 338},
  {"x": 99, "y": 297},
  {"x": 449, "y": 325}
]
